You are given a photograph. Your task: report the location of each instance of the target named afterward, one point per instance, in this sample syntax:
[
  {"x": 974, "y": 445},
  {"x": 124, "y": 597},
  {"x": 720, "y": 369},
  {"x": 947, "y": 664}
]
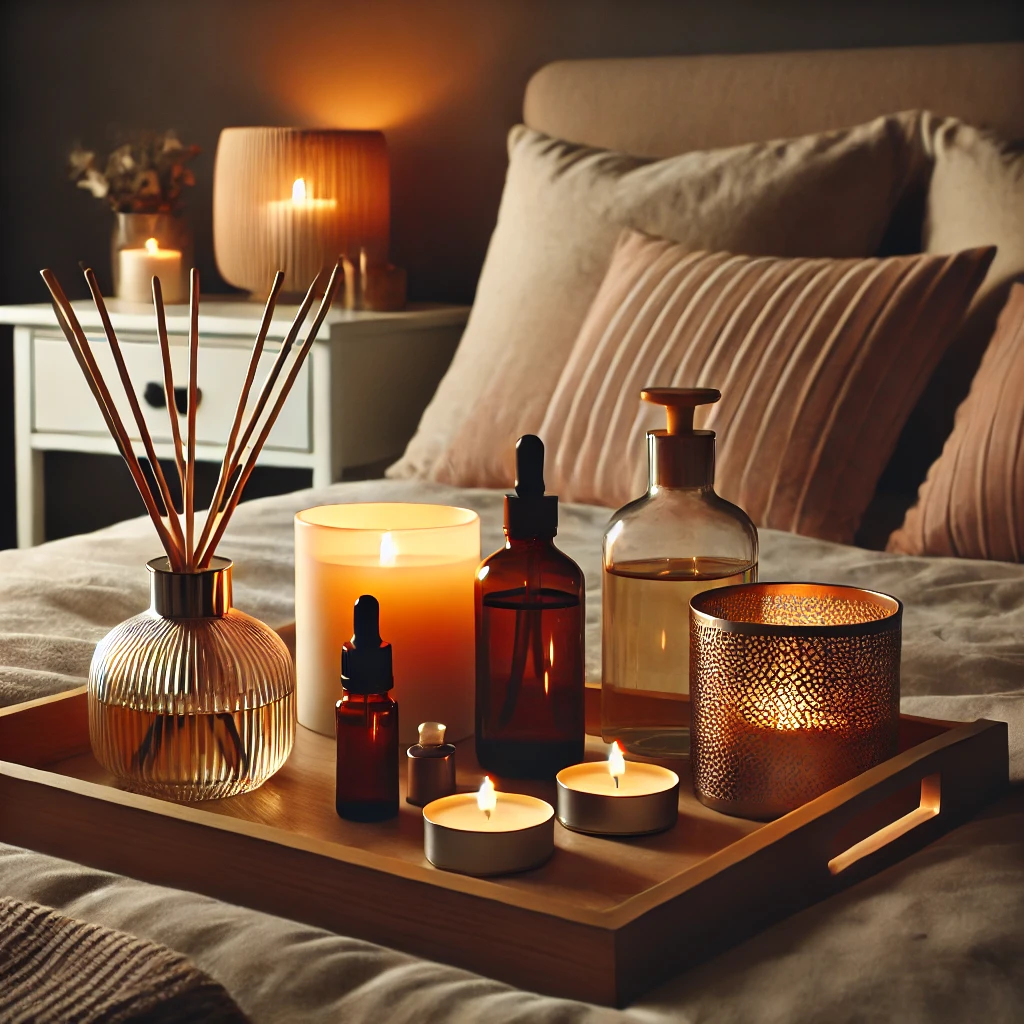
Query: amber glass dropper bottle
[
  {"x": 529, "y": 637},
  {"x": 367, "y": 722}
]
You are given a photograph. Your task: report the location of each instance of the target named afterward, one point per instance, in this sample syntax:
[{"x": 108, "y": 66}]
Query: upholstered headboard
[{"x": 661, "y": 106}]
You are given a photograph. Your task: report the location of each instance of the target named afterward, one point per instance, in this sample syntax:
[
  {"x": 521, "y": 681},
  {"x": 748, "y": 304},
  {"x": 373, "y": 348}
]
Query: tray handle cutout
[{"x": 929, "y": 806}]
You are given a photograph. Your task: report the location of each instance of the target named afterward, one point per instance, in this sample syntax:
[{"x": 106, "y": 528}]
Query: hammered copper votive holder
[{"x": 794, "y": 689}]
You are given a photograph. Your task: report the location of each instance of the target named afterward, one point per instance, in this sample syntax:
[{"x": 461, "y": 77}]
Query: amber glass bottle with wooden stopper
[
  {"x": 677, "y": 540},
  {"x": 367, "y": 722},
  {"x": 529, "y": 637}
]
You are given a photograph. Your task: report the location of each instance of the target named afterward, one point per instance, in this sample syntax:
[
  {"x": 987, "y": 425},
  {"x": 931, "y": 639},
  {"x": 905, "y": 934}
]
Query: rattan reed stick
[
  {"x": 240, "y": 456},
  {"x": 233, "y": 458},
  {"x": 133, "y": 404},
  {"x": 228, "y": 466},
  {"x": 72, "y": 330},
  {"x": 275, "y": 371},
  {"x": 257, "y": 447},
  {"x": 172, "y": 408},
  {"x": 193, "y": 402}
]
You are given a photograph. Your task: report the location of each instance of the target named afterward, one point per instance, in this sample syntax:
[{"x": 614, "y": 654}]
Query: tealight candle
[
  {"x": 138, "y": 267},
  {"x": 611, "y": 798},
  {"x": 488, "y": 833}
]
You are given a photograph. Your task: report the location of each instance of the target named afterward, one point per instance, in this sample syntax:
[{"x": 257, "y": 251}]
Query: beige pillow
[
  {"x": 561, "y": 212},
  {"x": 975, "y": 197},
  {"x": 819, "y": 362},
  {"x": 972, "y": 504}
]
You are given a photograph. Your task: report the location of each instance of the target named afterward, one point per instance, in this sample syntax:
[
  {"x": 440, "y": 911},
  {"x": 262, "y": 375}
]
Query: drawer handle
[{"x": 153, "y": 394}]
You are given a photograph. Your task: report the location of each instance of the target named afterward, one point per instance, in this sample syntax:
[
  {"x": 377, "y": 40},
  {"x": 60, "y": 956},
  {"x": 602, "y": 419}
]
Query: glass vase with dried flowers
[{"x": 144, "y": 181}]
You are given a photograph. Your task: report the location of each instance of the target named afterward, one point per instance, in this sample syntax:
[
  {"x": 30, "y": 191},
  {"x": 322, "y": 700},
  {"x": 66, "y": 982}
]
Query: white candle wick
[
  {"x": 486, "y": 797},
  {"x": 616, "y": 763}
]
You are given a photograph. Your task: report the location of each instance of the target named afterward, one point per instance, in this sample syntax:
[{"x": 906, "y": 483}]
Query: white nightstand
[{"x": 357, "y": 400}]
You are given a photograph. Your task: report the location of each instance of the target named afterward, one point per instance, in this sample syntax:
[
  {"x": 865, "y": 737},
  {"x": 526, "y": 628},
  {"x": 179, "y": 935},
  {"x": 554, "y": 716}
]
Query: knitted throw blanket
[{"x": 54, "y": 970}]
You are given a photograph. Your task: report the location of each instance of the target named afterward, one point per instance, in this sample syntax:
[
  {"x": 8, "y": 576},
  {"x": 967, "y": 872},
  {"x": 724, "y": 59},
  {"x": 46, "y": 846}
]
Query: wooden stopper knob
[{"x": 679, "y": 404}]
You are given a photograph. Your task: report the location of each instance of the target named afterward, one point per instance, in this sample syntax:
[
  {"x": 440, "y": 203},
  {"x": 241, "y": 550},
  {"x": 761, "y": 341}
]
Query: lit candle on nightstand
[
  {"x": 138, "y": 268},
  {"x": 301, "y": 204},
  {"x": 300, "y": 218},
  {"x": 299, "y": 227},
  {"x": 488, "y": 833},
  {"x": 611, "y": 798}
]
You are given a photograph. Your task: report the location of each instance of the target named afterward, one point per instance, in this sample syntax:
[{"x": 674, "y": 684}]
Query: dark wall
[{"x": 443, "y": 78}]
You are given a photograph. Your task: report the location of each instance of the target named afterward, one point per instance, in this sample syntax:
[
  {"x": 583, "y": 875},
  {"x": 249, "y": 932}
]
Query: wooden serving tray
[{"x": 602, "y": 921}]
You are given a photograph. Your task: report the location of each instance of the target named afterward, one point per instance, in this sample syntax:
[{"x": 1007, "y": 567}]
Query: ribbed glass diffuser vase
[{"x": 192, "y": 699}]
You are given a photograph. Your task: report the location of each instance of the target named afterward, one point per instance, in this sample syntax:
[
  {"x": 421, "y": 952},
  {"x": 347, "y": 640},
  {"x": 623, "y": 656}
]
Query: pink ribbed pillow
[
  {"x": 819, "y": 361},
  {"x": 972, "y": 503}
]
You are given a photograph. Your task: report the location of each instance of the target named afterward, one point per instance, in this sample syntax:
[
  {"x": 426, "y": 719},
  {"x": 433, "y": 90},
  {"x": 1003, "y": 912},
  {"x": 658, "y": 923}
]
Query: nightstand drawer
[{"x": 63, "y": 404}]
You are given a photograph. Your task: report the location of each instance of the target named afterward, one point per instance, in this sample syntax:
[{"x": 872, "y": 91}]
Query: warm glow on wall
[{"x": 359, "y": 76}]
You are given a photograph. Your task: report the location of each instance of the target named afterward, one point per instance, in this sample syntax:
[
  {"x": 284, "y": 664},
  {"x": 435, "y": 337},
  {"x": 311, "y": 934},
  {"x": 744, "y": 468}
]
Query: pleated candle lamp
[{"x": 298, "y": 200}]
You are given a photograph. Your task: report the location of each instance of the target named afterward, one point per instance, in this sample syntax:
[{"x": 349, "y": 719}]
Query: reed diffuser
[{"x": 193, "y": 699}]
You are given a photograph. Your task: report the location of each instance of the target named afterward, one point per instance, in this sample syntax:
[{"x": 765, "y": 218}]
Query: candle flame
[
  {"x": 152, "y": 246},
  {"x": 299, "y": 190},
  {"x": 487, "y": 798},
  {"x": 547, "y": 683},
  {"x": 663, "y": 639},
  {"x": 388, "y": 549},
  {"x": 616, "y": 763},
  {"x": 551, "y": 652}
]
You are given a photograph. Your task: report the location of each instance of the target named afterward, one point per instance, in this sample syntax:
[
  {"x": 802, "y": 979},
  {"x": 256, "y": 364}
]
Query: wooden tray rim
[{"x": 892, "y": 773}]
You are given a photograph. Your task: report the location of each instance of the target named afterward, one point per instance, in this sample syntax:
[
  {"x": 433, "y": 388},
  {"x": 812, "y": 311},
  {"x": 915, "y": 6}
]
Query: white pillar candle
[
  {"x": 138, "y": 267},
  {"x": 419, "y": 562},
  {"x": 488, "y": 833},
  {"x": 616, "y": 797}
]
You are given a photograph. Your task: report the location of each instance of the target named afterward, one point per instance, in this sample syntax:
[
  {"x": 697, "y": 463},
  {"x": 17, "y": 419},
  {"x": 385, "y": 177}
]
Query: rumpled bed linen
[{"x": 939, "y": 936}]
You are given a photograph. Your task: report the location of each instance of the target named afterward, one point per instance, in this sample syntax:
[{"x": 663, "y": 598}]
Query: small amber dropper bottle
[{"x": 367, "y": 722}]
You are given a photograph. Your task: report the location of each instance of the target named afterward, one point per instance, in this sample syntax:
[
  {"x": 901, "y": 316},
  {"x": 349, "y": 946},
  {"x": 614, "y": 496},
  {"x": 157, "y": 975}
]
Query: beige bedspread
[{"x": 938, "y": 937}]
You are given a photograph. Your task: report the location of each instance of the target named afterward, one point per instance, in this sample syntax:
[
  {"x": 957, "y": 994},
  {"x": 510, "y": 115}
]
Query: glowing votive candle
[
  {"x": 488, "y": 833},
  {"x": 795, "y": 690},
  {"x": 138, "y": 267},
  {"x": 299, "y": 227},
  {"x": 303, "y": 207},
  {"x": 419, "y": 562},
  {"x": 613, "y": 798}
]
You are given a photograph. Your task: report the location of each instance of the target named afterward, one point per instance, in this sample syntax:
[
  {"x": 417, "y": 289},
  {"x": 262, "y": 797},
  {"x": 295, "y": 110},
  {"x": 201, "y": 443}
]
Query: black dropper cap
[
  {"x": 366, "y": 659},
  {"x": 530, "y": 512}
]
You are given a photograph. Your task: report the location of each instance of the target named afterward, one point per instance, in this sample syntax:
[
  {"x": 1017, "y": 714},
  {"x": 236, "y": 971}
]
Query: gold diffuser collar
[{"x": 203, "y": 594}]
